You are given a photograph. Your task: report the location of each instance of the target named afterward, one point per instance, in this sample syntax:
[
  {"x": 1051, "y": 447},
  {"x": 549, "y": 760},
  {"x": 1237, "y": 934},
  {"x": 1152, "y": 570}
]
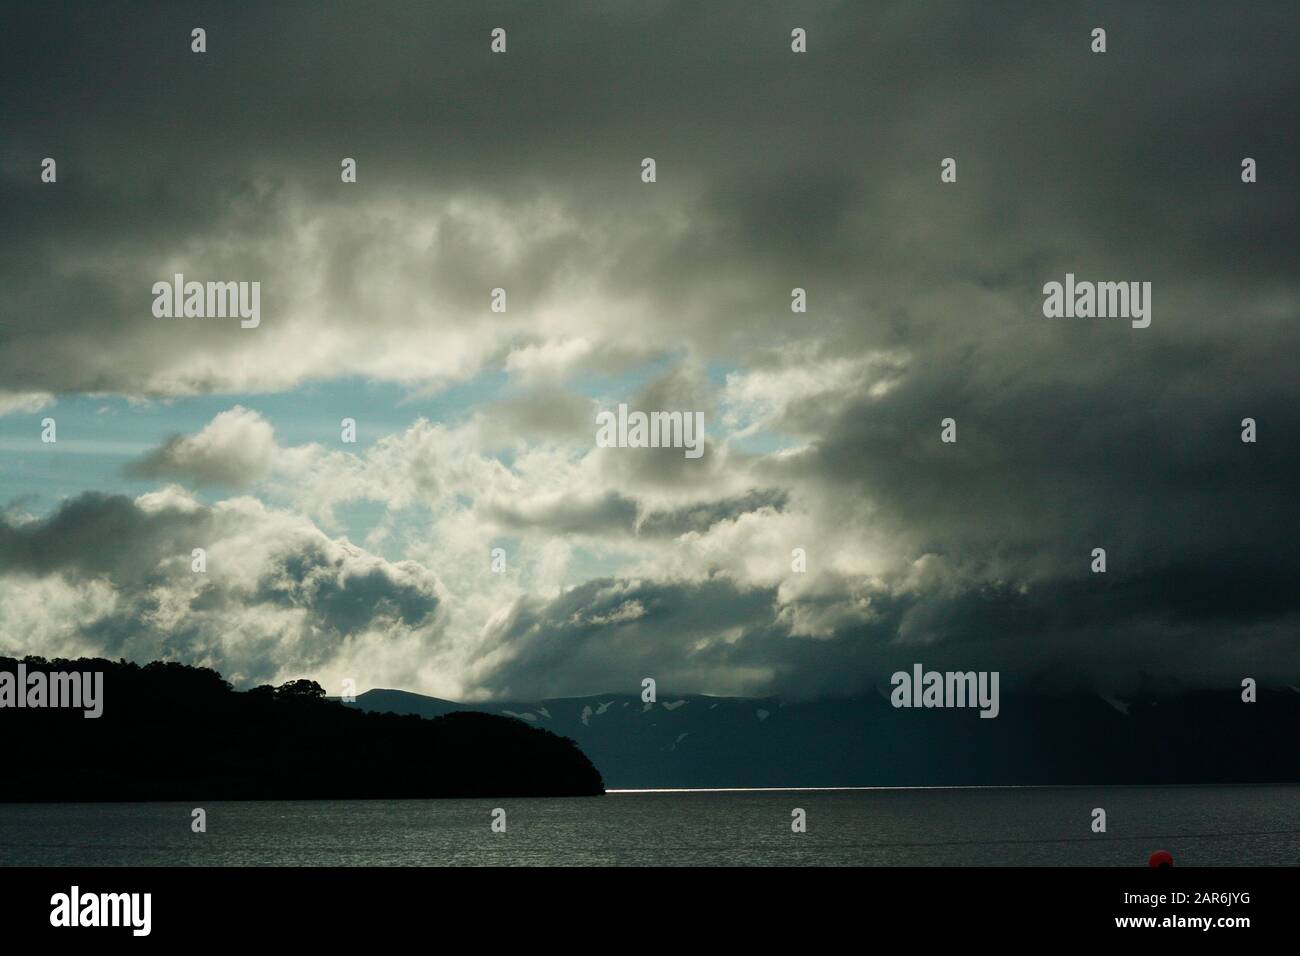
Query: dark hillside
[{"x": 171, "y": 732}]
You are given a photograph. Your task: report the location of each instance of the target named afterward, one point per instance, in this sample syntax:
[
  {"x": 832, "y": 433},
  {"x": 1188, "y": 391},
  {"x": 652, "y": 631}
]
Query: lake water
[{"x": 1255, "y": 825}]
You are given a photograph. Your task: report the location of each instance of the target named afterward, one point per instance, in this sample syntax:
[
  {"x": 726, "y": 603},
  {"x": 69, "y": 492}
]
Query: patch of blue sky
[{"x": 98, "y": 436}]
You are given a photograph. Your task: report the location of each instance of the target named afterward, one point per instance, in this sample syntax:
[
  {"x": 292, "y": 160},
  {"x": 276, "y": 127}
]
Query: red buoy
[{"x": 1161, "y": 858}]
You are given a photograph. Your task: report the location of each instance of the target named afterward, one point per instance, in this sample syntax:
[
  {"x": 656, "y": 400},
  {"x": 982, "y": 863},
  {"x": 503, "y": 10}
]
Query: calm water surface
[{"x": 1023, "y": 826}]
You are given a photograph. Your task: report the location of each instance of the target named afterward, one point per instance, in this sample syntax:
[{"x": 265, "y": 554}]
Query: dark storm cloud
[
  {"x": 610, "y": 634},
  {"x": 1150, "y": 466},
  {"x": 251, "y": 614},
  {"x": 1198, "y": 527},
  {"x": 97, "y": 535},
  {"x": 342, "y": 600},
  {"x": 1060, "y": 636},
  {"x": 775, "y": 171}
]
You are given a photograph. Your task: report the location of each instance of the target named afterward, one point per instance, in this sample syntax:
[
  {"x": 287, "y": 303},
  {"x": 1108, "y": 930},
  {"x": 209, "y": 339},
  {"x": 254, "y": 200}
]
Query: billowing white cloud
[{"x": 236, "y": 448}]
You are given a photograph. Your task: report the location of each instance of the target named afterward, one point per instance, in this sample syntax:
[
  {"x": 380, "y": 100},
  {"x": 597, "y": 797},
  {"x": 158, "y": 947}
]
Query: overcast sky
[{"x": 476, "y": 429}]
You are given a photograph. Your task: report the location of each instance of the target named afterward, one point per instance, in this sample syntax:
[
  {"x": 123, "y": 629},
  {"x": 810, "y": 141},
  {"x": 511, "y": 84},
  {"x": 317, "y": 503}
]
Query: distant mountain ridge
[{"x": 1200, "y": 737}]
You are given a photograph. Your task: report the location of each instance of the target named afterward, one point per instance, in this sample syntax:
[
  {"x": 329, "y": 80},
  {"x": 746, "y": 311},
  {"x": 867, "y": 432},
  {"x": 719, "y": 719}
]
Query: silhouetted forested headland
[{"x": 172, "y": 732}]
